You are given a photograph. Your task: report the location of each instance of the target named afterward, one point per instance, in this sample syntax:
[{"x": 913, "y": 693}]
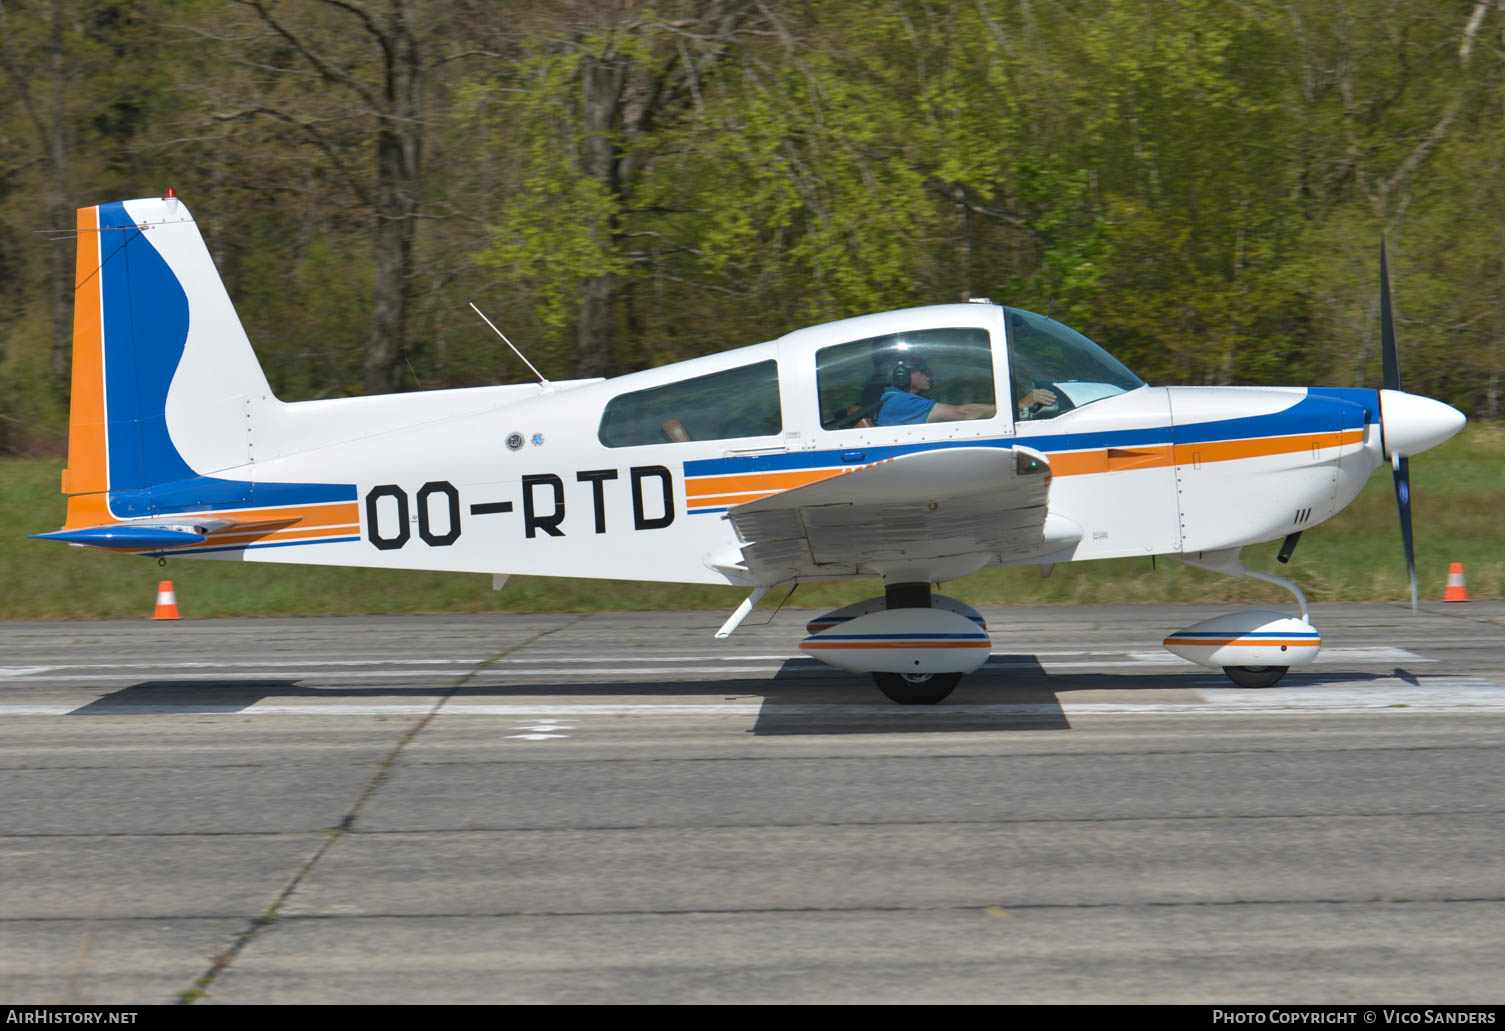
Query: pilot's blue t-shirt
[{"x": 901, "y": 408}]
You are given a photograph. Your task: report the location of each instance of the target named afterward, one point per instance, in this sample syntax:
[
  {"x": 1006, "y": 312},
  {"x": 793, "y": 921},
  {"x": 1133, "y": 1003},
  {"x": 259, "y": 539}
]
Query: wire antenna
[{"x": 509, "y": 343}]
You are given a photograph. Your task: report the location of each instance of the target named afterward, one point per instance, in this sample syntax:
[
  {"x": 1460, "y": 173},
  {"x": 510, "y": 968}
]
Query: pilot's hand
[{"x": 1037, "y": 399}]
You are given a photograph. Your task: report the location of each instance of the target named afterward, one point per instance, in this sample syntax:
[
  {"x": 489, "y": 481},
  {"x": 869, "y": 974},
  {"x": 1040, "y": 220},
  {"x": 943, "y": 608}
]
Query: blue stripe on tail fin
[
  {"x": 145, "y": 322},
  {"x": 147, "y": 313}
]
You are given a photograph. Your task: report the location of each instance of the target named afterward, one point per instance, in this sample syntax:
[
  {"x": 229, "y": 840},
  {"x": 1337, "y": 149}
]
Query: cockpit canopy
[
  {"x": 1043, "y": 356},
  {"x": 1052, "y": 369}
]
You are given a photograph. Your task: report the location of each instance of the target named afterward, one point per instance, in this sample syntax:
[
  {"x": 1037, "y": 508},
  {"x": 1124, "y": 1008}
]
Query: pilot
[{"x": 904, "y": 403}]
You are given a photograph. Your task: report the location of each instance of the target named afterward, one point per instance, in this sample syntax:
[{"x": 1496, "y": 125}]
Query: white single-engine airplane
[{"x": 914, "y": 446}]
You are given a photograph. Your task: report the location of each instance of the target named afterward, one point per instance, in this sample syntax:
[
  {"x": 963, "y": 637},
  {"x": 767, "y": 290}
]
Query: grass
[{"x": 1458, "y": 504}]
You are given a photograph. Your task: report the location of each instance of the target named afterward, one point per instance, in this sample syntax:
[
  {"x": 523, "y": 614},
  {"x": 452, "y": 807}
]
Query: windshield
[{"x": 1054, "y": 368}]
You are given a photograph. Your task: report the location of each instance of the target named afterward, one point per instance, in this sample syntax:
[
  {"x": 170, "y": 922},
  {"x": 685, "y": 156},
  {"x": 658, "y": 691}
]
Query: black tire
[
  {"x": 916, "y": 688},
  {"x": 1255, "y": 676}
]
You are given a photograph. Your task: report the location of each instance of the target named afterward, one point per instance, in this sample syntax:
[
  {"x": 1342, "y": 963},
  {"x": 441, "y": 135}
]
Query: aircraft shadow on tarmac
[{"x": 1011, "y": 692}]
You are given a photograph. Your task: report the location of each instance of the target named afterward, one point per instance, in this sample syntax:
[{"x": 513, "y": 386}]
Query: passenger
[{"x": 904, "y": 402}]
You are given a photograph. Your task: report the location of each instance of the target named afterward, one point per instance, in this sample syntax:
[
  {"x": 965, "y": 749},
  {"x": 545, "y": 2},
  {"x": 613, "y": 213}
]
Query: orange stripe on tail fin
[{"x": 87, "y": 471}]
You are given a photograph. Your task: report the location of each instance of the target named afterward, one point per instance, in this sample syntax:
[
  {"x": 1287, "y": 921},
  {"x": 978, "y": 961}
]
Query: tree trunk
[
  {"x": 399, "y": 167},
  {"x": 621, "y": 102},
  {"x": 600, "y": 153},
  {"x": 57, "y": 203}
]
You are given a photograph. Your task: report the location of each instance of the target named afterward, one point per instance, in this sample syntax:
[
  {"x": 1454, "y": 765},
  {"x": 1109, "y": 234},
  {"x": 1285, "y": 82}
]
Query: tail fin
[
  {"x": 153, "y": 333},
  {"x": 164, "y": 379}
]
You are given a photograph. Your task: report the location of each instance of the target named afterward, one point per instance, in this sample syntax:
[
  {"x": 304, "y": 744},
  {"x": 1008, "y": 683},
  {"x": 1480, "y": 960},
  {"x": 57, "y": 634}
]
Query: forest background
[{"x": 1199, "y": 185}]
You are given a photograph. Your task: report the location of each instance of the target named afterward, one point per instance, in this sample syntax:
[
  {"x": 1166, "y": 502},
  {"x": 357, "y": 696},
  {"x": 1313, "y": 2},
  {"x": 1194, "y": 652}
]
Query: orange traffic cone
[
  {"x": 167, "y": 602},
  {"x": 1456, "y": 591}
]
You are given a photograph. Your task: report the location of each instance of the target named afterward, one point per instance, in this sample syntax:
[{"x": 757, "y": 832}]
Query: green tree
[
  {"x": 588, "y": 114},
  {"x": 82, "y": 88},
  {"x": 349, "y": 82}
]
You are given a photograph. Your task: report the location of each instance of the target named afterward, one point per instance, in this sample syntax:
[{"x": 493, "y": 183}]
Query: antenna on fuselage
[{"x": 542, "y": 381}]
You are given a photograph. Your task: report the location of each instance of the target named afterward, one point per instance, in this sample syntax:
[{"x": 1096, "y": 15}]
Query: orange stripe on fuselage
[
  {"x": 1078, "y": 463},
  {"x": 738, "y": 489},
  {"x": 1231, "y": 450},
  {"x": 231, "y": 536},
  {"x": 337, "y": 520},
  {"x": 319, "y": 515},
  {"x": 87, "y": 471},
  {"x": 1107, "y": 460},
  {"x": 768, "y": 483},
  {"x": 729, "y": 500},
  {"x": 333, "y": 519}
]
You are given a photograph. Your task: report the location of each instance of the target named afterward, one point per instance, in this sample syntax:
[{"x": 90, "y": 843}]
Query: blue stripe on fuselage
[
  {"x": 207, "y": 494},
  {"x": 1369, "y": 400},
  {"x": 1312, "y": 413}
]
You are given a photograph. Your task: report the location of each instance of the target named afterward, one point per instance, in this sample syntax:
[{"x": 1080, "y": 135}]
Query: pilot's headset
[{"x": 909, "y": 362}]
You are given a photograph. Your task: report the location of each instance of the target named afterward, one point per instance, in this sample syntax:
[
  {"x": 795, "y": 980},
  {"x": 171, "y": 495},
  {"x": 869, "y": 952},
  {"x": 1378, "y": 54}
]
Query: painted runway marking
[
  {"x": 373, "y": 674},
  {"x": 21, "y": 670},
  {"x": 8, "y": 672},
  {"x": 541, "y": 730},
  {"x": 1426, "y": 695},
  {"x": 576, "y": 666}
]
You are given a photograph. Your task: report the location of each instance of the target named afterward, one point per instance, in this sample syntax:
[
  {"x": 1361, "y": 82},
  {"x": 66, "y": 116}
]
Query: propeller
[{"x": 1400, "y": 465}]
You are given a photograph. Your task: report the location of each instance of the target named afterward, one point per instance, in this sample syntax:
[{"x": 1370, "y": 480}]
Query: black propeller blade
[
  {"x": 1400, "y": 464},
  {"x": 1387, "y": 327},
  {"x": 1402, "y": 470}
]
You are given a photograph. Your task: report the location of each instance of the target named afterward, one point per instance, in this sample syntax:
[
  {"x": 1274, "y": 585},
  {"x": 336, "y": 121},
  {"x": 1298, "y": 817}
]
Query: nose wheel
[
  {"x": 1255, "y": 676},
  {"x": 917, "y": 688}
]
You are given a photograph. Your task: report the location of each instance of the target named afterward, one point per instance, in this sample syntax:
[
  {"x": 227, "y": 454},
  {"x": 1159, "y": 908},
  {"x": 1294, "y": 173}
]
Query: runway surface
[{"x": 619, "y": 808}]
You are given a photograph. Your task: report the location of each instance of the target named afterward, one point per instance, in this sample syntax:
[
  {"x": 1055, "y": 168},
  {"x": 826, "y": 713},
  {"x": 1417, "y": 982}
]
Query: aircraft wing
[{"x": 927, "y": 510}]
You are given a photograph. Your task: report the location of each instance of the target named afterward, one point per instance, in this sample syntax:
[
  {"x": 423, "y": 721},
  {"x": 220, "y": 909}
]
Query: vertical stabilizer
[{"x": 162, "y": 369}]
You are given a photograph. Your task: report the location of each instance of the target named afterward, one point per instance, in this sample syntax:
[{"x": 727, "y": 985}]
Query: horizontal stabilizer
[
  {"x": 127, "y": 537},
  {"x": 156, "y": 536}
]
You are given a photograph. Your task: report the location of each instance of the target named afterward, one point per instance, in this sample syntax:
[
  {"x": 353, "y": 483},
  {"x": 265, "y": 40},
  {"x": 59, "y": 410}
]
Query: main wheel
[
  {"x": 1255, "y": 676},
  {"x": 916, "y": 688}
]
